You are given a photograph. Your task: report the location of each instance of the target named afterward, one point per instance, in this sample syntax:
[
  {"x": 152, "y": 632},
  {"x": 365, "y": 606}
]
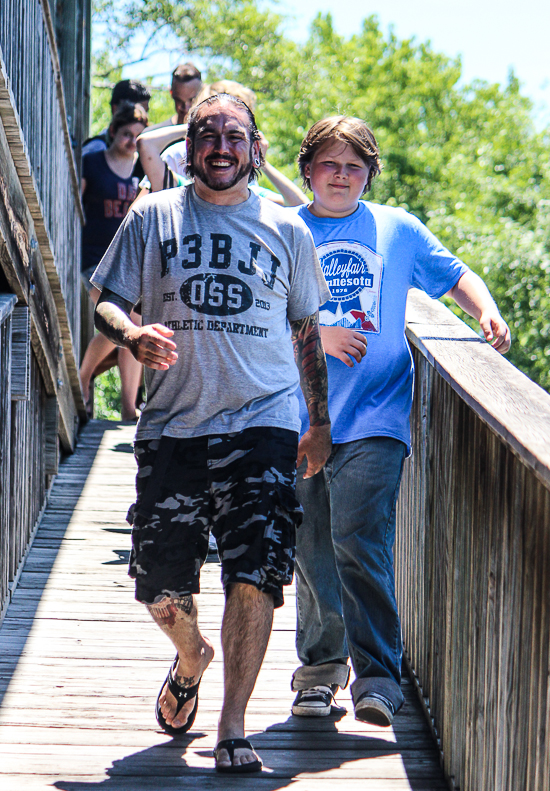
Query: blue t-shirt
[{"x": 370, "y": 259}]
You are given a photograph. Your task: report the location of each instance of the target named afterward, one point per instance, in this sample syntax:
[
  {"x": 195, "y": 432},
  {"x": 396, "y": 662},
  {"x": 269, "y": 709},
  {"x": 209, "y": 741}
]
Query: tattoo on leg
[
  {"x": 165, "y": 612},
  {"x": 185, "y": 681}
]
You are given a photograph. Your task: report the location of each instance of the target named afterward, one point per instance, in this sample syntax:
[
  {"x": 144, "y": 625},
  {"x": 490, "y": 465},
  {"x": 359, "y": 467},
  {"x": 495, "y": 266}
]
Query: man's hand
[
  {"x": 495, "y": 330},
  {"x": 151, "y": 346},
  {"x": 316, "y": 445},
  {"x": 345, "y": 344}
]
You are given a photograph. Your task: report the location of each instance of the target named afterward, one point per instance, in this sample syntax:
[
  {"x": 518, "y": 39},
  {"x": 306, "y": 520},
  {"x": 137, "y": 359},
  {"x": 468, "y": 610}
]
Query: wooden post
[
  {"x": 21, "y": 354},
  {"x": 52, "y": 436},
  {"x": 7, "y": 302}
]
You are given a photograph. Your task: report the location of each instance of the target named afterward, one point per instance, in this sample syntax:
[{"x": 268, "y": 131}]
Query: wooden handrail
[
  {"x": 18, "y": 148},
  {"x": 75, "y": 180},
  {"x": 7, "y": 304},
  {"x": 510, "y": 403}
]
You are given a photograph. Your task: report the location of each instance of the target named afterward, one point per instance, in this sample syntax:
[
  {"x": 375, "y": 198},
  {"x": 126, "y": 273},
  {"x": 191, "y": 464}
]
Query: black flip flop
[
  {"x": 231, "y": 745},
  {"x": 182, "y": 695}
]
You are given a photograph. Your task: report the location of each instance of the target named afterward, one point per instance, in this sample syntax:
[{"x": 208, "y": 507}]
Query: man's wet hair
[
  {"x": 128, "y": 113},
  {"x": 130, "y": 91},
  {"x": 186, "y": 72},
  {"x": 253, "y": 132},
  {"x": 349, "y": 130}
]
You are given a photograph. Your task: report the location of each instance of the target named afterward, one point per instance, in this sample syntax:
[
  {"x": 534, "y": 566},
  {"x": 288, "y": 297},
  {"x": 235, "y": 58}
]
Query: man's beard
[{"x": 213, "y": 184}]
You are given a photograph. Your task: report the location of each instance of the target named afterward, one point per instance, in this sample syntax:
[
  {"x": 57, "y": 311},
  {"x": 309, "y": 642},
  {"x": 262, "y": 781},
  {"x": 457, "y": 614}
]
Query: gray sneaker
[
  {"x": 375, "y": 709},
  {"x": 315, "y": 701}
]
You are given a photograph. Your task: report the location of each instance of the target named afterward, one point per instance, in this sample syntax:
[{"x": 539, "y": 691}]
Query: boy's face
[{"x": 338, "y": 177}]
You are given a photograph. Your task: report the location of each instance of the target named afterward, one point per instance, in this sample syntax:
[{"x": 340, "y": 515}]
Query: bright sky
[{"x": 491, "y": 37}]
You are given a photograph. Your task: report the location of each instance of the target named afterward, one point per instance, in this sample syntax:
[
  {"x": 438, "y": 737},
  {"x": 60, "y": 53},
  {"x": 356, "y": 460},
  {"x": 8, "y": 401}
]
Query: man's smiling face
[{"x": 222, "y": 151}]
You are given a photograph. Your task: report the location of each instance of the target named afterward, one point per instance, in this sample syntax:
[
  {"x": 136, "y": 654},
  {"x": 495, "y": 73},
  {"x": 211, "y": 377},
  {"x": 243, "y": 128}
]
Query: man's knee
[
  {"x": 248, "y": 594},
  {"x": 168, "y": 610}
]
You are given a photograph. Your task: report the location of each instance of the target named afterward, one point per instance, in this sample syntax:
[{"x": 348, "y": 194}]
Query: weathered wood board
[{"x": 81, "y": 663}]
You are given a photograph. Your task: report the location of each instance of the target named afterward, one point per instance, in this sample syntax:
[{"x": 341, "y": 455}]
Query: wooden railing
[
  {"x": 473, "y": 556},
  {"x": 38, "y": 127},
  {"x": 40, "y": 217},
  {"x": 28, "y": 450}
]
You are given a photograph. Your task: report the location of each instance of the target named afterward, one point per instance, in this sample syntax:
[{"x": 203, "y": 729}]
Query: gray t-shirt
[{"x": 227, "y": 280}]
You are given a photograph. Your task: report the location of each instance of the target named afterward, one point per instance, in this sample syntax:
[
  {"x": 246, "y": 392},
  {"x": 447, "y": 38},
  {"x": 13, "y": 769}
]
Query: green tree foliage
[
  {"x": 107, "y": 395},
  {"x": 466, "y": 159}
]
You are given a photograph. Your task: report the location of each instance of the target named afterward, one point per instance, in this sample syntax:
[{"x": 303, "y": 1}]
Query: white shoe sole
[
  {"x": 374, "y": 712},
  {"x": 311, "y": 711}
]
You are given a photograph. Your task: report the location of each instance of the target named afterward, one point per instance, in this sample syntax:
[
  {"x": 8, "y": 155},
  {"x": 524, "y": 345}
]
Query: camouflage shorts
[{"x": 242, "y": 487}]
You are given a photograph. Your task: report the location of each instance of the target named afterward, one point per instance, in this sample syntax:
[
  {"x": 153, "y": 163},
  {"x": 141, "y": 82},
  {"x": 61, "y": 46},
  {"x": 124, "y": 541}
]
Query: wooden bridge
[{"x": 81, "y": 664}]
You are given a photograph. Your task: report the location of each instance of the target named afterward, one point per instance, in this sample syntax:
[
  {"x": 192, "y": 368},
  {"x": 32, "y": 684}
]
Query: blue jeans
[{"x": 344, "y": 570}]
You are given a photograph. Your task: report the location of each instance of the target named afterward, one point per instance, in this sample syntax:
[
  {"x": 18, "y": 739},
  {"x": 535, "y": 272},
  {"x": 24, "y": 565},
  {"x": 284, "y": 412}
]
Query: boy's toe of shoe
[{"x": 316, "y": 701}]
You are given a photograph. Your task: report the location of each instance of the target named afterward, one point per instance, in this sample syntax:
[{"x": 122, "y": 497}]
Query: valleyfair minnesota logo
[{"x": 354, "y": 275}]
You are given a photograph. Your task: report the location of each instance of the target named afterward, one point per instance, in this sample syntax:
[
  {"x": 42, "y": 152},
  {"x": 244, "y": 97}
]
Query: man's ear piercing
[{"x": 256, "y": 163}]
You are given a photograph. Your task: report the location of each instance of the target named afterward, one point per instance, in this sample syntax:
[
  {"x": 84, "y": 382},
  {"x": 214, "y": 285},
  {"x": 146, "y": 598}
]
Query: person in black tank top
[{"x": 109, "y": 187}]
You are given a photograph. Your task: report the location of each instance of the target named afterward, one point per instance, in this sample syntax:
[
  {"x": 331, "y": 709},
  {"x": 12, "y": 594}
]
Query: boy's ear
[{"x": 307, "y": 170}]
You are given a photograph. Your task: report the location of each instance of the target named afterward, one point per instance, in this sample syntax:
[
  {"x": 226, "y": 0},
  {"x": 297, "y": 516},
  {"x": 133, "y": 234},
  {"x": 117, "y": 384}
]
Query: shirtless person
[{"x": 229, "y": 284}]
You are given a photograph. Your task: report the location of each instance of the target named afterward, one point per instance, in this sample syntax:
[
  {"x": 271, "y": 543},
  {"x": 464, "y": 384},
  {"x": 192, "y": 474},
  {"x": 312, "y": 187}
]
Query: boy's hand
[
  {"x": 344, "y": 343},
  {"x": 495, "y": 330},
  {"x": 264, "y": 145},
  {"x": 473, "y": 296}
]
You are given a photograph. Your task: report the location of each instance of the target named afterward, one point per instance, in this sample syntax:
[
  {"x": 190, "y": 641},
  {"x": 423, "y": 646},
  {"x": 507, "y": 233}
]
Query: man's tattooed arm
[
  {"x": 112, "y": 317},
  {"x": 310, "y": 359},
  {"x": 316, "y": 443},
  {"x": 150, "y": 344}
]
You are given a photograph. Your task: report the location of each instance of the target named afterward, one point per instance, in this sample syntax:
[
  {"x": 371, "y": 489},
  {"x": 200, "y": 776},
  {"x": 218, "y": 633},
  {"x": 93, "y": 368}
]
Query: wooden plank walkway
[{"x": 81, "y": 664}]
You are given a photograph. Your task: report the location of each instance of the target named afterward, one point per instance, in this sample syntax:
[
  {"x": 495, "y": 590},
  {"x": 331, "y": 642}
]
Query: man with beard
[
  {"x": 185, "y": 86},
  {"x": 229, "y": 284}
]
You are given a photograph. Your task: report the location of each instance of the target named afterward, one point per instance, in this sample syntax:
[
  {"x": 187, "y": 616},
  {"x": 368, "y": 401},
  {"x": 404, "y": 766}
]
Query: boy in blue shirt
[{"x": 371, "y": 255}]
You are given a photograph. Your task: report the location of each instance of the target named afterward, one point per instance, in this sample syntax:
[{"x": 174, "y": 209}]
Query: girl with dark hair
[{"x": 109, "y": 187}]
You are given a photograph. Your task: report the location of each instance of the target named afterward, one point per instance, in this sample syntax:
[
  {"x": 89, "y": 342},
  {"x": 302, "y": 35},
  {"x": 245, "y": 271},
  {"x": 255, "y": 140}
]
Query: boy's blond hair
[
  {"x": 349, "y": 130},
  {"x": 231, "y": 87}
]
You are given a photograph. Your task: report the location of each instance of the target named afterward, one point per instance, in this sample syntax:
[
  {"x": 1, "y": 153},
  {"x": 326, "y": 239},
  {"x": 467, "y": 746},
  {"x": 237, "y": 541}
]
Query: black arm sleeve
[{"x": 116, "y": 299}]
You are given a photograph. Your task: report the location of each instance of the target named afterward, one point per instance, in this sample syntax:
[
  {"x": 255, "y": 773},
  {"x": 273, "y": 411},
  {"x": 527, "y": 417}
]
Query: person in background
[
  {"x": 109, "y": 187},
  {"x": 165, "y": 161},
  {"x": 186, "y": 84},
  {"x": 371, "y": 255},
  {"x": 124, "y": 91}
]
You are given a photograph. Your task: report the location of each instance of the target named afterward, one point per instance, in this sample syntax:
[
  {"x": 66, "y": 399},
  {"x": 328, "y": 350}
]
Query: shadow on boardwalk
[
  {"x": 289, "y": 759},
  {"x": 64, "y": 496},
  {"x": 82, "y": 663}
]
